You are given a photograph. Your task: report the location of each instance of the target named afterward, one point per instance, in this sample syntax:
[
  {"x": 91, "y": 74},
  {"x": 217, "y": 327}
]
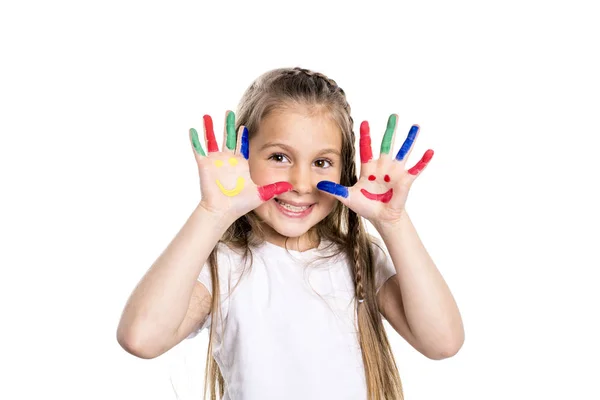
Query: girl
[{"x": 277, "y": 253}]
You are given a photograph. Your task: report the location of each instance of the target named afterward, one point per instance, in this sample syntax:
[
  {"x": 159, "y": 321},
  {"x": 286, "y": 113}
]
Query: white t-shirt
[{"x": 280, "y": 340}]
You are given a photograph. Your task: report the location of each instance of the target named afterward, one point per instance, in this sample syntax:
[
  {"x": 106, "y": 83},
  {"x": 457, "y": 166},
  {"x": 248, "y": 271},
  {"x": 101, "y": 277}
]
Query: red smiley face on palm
[{"x": 382, "y": 188}]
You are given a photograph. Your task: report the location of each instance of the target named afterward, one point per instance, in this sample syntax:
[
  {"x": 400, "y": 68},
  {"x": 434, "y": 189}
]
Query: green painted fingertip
[
  {"x": 386, "y": 143},
  {"x": 231, "y": 135},
  {"x": 196, "y": 142}
]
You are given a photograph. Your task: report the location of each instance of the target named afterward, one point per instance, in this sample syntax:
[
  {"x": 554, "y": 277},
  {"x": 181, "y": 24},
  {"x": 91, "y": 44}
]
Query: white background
[{"x": 98, "y": 174}]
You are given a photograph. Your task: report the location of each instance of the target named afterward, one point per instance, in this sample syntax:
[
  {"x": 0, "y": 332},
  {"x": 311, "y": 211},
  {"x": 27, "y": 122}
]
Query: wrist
[
  {"x": 390, "y": 224},
  {"x": 215, "y": 218}
]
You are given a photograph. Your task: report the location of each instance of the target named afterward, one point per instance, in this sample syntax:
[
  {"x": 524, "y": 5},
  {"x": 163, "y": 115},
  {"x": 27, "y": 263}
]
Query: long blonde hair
[{"x": 343, "y": 227}]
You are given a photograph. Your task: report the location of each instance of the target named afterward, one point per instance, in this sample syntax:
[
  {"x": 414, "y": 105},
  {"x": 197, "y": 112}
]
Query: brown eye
[
  {"x": 323, "y": 163},
  {"x": 277, "y": 157}
]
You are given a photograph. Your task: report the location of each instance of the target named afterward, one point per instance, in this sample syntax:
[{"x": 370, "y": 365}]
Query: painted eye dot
[
  {"x": 371, "y": 177},
  {"x": 233, "y": 161},
  {"x": 218, "y": 163},
  {"x": 386, "y": 178}
]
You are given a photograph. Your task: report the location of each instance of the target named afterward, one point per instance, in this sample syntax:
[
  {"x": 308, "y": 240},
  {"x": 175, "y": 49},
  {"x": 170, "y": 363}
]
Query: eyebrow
[{"x": 290, "y": 149}]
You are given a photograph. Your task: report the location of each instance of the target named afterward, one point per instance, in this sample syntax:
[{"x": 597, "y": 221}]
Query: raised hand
[
  {"x": 225, "y": 182},
  {"x": 381, "y": 191}
]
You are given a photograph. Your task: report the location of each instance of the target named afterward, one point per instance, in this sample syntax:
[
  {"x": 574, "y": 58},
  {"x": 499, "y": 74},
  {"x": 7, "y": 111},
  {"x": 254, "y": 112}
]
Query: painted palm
[
  {"x": 382, "y": 188},
  {"x": 225, "y": 181}
]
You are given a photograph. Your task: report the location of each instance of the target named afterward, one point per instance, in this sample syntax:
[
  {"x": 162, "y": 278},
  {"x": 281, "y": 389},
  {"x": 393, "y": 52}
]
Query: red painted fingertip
[
  {"x": 267, "y": 192},
  {"x": 211, "y": 142},
  {"x": 422, "y": 163},
  {"x": 366, "y": 154}
]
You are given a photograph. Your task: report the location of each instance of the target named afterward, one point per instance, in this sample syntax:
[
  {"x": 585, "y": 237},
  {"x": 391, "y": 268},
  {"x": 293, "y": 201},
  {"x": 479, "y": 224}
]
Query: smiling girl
[{"x": 276, "y": 255}]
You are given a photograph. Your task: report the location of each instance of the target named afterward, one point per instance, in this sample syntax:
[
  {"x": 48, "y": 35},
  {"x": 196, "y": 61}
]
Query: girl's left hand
[{"x": 380, "y": 193}]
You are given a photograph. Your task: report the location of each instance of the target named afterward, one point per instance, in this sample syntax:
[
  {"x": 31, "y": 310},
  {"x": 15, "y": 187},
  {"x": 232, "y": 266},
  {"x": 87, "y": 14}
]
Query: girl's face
[{"x": 294, "y": 146}]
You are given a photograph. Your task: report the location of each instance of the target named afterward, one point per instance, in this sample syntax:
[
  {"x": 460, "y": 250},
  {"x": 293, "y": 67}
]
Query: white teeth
[{"x": 291, "y": 207}]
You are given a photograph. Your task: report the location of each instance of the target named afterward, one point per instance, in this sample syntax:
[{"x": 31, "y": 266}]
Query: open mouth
[
  {"x": 292, "y": 210},
  {"x": 239, "y": 185},
  {"x": 383, "y": 197}
]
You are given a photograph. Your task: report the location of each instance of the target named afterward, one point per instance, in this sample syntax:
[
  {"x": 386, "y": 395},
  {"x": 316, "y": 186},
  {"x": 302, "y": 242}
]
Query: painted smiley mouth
[
  {"x": 239, "y": 185},
  {"x": 383, "y": 197}
]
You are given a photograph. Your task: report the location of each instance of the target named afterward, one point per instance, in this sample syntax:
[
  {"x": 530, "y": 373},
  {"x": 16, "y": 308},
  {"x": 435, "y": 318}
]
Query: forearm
[
  {"x": 158, "y": 304},
  {"x": 430, "y": 308}
]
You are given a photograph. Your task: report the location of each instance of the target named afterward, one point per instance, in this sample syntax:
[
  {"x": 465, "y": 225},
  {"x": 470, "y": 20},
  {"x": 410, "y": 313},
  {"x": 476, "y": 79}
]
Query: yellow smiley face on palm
[{"x": 239, "y": 185}]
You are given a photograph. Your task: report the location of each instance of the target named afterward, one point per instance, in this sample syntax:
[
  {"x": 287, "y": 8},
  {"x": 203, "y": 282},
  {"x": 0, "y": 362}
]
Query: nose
[{"x": 301, "y": 180}]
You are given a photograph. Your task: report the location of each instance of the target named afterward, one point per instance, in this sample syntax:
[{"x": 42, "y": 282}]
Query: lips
[{"x": 383, "y": 197}]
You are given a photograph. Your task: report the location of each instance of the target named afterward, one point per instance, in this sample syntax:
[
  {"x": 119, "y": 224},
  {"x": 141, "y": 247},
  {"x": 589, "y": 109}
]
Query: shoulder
[{"x": 377, "y": 247}]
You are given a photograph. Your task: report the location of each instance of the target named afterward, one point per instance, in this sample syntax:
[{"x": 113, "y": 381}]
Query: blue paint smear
[
  {"x": 407, "y": 143},
  {"x": 244, "y": 149},
  {"x": 333, "y": 188}
]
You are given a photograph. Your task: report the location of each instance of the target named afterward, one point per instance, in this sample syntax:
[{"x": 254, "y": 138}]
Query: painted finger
[
  {"x": 388, "y": 138},
  {"x": 269, "y": 191},
  {"x": 407, "y": 145},
  {"x": 242, "y": 144},
  {"x": 366, "y": 153},
  {"x": 196, "y": 142},
  {"x": 209, "y": 135},
  {"x": 422, "y": 163},
  {"x": 229, "y": 136},
  {"x": 333, "y": 188}
]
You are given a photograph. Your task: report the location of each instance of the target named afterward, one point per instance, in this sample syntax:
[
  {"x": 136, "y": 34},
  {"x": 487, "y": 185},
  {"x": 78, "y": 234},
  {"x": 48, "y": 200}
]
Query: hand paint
[
  {"x": 196, "y": 142},
  {"x": 366, "y": 154},
  {"x": 412, "y": 134},
  {"x": 245, "y": 147},
  {"x": 386, "y": 143},
  {"x": 383, "y": 197},
  {"x": 269, "y": 191},
  {"x": 333, "y": 188},
  {"x": 422, "y": 163},
  {"x": 239, "y": 186},
  {"x": 209, "y": 135},
  {"x": 230, "y": 124}
]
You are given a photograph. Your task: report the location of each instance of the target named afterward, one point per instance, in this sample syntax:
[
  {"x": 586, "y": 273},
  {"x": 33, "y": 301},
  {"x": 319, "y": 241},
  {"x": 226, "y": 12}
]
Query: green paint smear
[
  {"x": 231, "y": 139},
  {"x": 386, "y": 143},
  {"x": 196, "y": 142}
]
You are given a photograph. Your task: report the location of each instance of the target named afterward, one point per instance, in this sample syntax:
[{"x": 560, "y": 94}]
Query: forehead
[{"x": 300, "y": 128}]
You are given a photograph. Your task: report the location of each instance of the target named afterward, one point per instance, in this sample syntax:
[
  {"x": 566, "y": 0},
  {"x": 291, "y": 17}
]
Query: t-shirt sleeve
[
  {"x": 384, "y": 268},
  {"x": 224, "y": 271}
]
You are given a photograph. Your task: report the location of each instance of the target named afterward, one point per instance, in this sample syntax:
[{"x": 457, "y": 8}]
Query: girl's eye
[
  {"x": 323, "y": 163},
  {"x": 278, "y": 157}
]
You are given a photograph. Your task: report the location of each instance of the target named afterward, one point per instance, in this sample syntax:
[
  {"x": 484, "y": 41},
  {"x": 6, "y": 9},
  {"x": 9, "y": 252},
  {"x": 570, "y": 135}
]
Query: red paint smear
[
  {"x": 422, "y": 163},
  {"x": 386, "y": 178},
  {"x": 211, "y": 142},
  {"x": 366, "y": 154},
  {"x": 384, "y": 197},
  {"x": 268, "y": 191},
  {"x": 372, "y": 177}
]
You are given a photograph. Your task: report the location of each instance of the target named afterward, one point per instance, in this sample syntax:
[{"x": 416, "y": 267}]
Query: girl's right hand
[{"x": 225, "y": 184}]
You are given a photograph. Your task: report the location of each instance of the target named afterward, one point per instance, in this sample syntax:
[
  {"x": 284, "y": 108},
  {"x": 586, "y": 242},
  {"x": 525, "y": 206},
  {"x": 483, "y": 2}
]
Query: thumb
[
  {"x": 267, "y": 192},
  {"x": 339, "y": 191}
]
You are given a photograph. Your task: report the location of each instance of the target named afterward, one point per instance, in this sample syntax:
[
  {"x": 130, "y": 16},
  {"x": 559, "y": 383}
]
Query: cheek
[{"x": 262, "y": 172}]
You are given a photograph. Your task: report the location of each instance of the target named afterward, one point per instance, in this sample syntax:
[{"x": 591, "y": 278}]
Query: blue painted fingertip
[
  {"x": 333, "y": 188},
  {"x": 407, "y": 143},
  {"x": 244, "y": 149}
]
